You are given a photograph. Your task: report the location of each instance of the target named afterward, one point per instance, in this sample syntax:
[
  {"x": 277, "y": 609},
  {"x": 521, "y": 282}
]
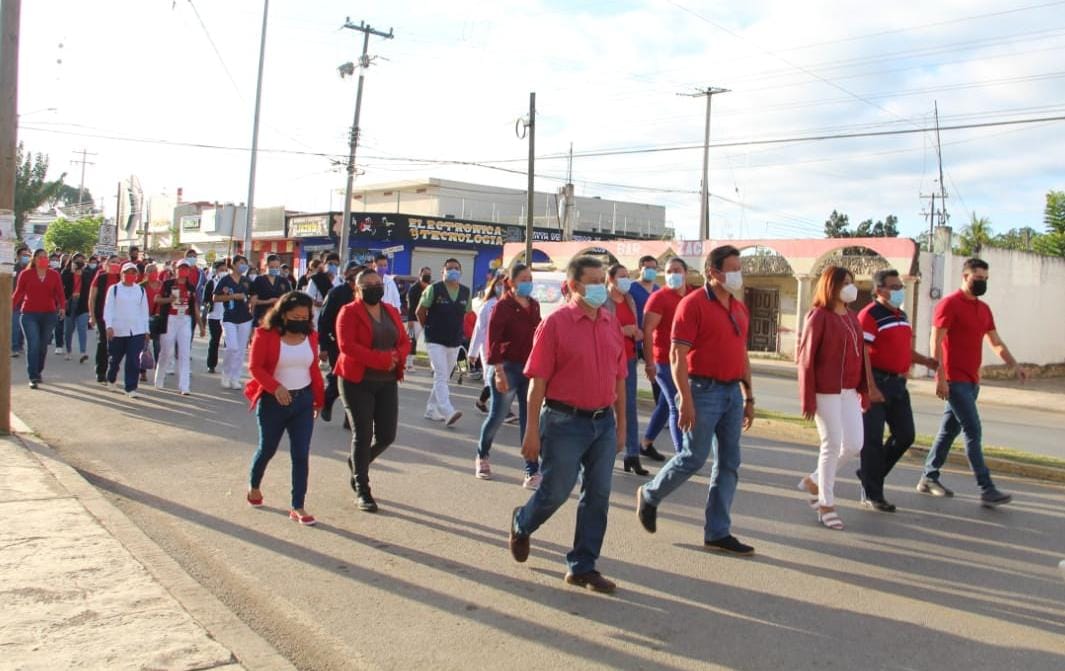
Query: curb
[{"x": 251, "y": 650}]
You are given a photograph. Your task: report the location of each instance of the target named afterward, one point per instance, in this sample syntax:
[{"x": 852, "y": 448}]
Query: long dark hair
[{"x": 275, "y": 317}]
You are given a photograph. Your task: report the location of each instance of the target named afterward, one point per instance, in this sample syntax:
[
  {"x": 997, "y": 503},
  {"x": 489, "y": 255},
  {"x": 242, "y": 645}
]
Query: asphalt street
[{"x": 428, "y": 582}]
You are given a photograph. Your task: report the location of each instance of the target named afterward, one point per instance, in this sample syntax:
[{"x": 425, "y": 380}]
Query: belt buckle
[{"x": 599, "y": 413}]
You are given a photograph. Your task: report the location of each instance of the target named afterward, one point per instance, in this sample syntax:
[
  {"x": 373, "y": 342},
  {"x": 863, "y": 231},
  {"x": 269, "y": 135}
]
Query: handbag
[{"x": 147, "y": 361}]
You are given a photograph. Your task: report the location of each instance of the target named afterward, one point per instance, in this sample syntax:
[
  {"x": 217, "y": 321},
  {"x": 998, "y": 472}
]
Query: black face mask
[
  {"x": 427, "y": 278},
  {"x": 79, "y": 264},
  {"x": 372, "y": 295},
  {"x": 301, "y": 326},
  {"x": 978, "y": 287}
]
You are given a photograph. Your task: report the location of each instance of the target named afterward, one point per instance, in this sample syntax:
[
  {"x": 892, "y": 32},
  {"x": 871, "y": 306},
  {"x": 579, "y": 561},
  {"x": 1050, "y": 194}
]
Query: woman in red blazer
[
  {"x": 373, "y": 347},
  {"x": 286, "y": 390}
]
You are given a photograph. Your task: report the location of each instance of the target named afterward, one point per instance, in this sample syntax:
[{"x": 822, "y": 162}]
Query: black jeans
[
  {"x": 880, "y": 456},
  {"x": 102, "y": 355},
  {"x": 373, "y": 411},
  {"x": 215, "y": 325},
  {"x": 332, "y": 389}
]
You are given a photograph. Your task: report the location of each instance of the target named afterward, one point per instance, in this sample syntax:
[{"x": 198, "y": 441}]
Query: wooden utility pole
[{"x": 10, "y": 12}]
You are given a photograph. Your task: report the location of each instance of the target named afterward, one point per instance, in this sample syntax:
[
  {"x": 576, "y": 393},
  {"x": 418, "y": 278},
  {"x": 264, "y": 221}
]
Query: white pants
[
  {"x": 179, "y": 334},
  {"x": 443, "y": 360},
  {"x": 415, "y": 332},
  {"x": 839, "y": 423},
  {"x": 236, "y": 340}
]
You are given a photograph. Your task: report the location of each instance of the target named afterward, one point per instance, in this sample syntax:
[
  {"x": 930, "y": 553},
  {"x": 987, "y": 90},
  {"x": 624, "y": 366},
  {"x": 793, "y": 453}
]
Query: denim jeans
[
  {"x": 16, "y": 331},
  {"x": 880, "y": 456},
  {"x": 571, "y": 447},
  {"x": 128, "y": 348},
  {"x": 38, "y": 328},
  {"x": 959, "y": 416},
  {"x": 659, "y": 416},
  {"x": 297, "y": 418},
  {"x": 517, "y": 387},
  {"x": 60, "y": 330},
  {"x": 668, "y": 399},
  {"x": 718, "y": 423},
  {"x": 632, "y": 422},
  {"x": 79, "y": 323}
]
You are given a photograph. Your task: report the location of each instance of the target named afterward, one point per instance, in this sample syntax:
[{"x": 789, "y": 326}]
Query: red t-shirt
[
  {"x": 967, "y": 321},
  {"x": 663, "y": 303},
  {"x": 34, "y": 294},
  {"x": 717, "y": 335},
  {"x": 153, "y": 308},
  {"x": 626, "y": 317},
  {"x": 888, "y": 337}
]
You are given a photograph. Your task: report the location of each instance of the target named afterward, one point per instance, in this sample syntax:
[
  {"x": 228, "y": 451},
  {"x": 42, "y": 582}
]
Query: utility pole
[
  {"x": 353, "y": 144},
  {"x": 10, "y": 13},
  {"x": 523, "y": 128},
  {"x": 81, "y": 185},
  {"x": 704, "y": 205},
  {"x": 943, "y": 216},
  {"x": 249, "y": 214}
]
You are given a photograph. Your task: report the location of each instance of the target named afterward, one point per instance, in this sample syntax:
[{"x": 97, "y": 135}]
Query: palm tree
[{"x": 975, "y": 236}]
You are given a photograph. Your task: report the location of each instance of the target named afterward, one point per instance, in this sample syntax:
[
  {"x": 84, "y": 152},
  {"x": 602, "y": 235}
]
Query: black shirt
[
  {"x": 236, "y": 312},
  {"x": 414, "y": 296},
  {"x": 265, "y": 290}
]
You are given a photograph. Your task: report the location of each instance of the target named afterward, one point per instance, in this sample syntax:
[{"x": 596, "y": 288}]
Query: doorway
[{"x": 764, "y": 308}]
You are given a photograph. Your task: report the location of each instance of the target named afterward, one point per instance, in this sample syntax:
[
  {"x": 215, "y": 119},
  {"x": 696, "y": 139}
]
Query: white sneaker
[
  {"x": 433, "y": 416},
  {"x": 114, "y": 386},
  {"x": 133, "y": 394},
  {"x": 532, "y": 481},
  {"x": 59, "y": 350},
  {"x": 482, "y": 469},
  {"x": 225, "y": 382},
  {"x": 236, "y": 384}
]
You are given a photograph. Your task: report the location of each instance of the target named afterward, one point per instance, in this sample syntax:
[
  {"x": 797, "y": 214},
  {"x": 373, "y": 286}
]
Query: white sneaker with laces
[
  {"x": 133, "y": 394},
  {"x": 532, "y": 482}
]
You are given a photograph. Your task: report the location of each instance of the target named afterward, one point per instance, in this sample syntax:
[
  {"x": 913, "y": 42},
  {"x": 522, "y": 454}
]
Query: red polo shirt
[
  {"x": 717, "y": 335},
  {"x": 967, "y": 321},
  {"x": 626, "y": 317},
  {"x": 663, "y": 303},
  {"x": 888, "y": 337},
  {"x": 581, "y": 358}
]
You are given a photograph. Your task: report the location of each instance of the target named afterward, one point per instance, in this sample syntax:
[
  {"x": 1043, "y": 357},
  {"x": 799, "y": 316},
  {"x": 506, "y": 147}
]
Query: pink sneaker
[
  {"x": 483, "y": 468},
  {"x": 532, "y": 481}
]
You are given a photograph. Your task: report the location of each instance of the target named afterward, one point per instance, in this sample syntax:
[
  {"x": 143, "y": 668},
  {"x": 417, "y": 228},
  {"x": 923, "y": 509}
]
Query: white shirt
[
  {"x": 392, "y": 293},
  {"x": 126, "y": 310},
  {"x": 294, "y": 365},
  {"x": 480, "y": 331}
]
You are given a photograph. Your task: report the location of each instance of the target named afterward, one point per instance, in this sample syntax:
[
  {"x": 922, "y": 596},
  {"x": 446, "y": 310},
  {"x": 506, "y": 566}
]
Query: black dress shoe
[
  {"x": 731, "y": 545},
  {"x": 651, "y": 453},
  {"x": 519, "y": 545},
  {"x": 365, "y": 500},
  {"x": 326, "y": 413},
  {"x": 647, "y": 514},
  {"x": 881, "y": 505},
  {"x": 592, "y": 580},
  {"x": 633, "y": 464}
]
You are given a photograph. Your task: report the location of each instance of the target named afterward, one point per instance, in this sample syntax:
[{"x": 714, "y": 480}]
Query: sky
[{"x": 165, "y": 89}]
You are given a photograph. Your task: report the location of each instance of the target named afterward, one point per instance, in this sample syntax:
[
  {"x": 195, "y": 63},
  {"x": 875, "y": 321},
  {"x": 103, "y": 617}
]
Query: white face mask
[
  {"x": 734, "y": 280},
  {"x": 849, "y": 293}
]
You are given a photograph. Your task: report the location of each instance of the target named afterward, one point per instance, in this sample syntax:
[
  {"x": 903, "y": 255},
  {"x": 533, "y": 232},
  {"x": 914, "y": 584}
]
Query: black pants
[
  {"x": 102, "y": 355},
  {"x": 332, "y": 389},
  {"x": 880, "y": 456},
  {"x": 215, "y": 325},
  {"x": 373, "y": 411}
]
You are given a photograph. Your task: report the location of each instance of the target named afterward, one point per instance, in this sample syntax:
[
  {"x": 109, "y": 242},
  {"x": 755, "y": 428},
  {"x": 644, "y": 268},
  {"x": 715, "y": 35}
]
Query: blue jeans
[
  {"x": 517, "y": 387},
  {"x": 16, "y": 331},
  {"x": 80, "y": 323},
  {"x": 632, "y": 422},
  {"x": 718, "y": 424},
  {"x": 668, "y": 400},
  {"x": 960, "y": 415},
  {"x": 128, "y": 348},
  {"x": 571, "y": 447},
  {"x": 297, "y": 418},
  {"x": 659, "y": 416},
  {"x": 37, "y": 327}
]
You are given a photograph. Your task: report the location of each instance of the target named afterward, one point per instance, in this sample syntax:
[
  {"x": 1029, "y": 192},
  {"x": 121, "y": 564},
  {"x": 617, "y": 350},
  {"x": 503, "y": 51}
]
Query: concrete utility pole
[
  {"x": 704, "y": 201},
  {"x": 943, "y": 216},
  {"x": 81, "y": 185},
  {"x": 523, "y": 128},
  {"x": 10, "y": 12},
  {"x": 347, "y": 69},
  {"x": 249, "y": 215}
]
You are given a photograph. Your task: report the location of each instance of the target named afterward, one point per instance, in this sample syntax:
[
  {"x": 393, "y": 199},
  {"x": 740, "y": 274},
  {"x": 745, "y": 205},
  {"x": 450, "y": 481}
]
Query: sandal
[
  {"x": 811, "y": 500},
  {"x": 831, "y": 520}
]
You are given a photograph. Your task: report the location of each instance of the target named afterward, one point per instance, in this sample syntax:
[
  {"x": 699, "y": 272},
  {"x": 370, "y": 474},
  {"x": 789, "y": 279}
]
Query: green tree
[
  {"x": 1020, "y": 239},
  {"x": 67, "y": 195},
  {"x": 66, "y": 235},
  {"x": 32, "y": 188},
  {"x": 975, "y": 236},
  {"x": 837, "y": 225},
  {"x": 1052, "y": 242}
]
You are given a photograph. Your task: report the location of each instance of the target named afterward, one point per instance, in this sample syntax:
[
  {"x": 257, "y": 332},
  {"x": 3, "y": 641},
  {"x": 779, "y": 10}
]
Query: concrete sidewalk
[
  {"x": 74, "y": 594},
  {"x": 992, "y": 392}
]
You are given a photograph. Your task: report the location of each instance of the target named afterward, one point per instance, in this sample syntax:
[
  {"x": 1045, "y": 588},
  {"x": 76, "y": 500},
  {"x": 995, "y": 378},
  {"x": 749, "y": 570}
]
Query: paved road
[{"x": 428, "y": 583}]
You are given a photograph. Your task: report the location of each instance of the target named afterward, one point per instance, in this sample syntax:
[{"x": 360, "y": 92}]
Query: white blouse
[{"x": 294, "y": 365}]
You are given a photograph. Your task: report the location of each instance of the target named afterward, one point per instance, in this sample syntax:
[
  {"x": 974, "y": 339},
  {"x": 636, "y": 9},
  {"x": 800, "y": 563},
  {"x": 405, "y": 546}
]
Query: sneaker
[
  {"x": 33, "y": 384},
  {"x": 519, "y": 545},
  {"x": 646, "y": 513},
  {"x": 483, "y": 468},
  {"x": 881, "y": 505},
  {"x": 15, "y": 355},
  {"x": 992, "y": 498},
  {"x": 364, "y": 500},
  {"x": 933, "y": 488},
  {"x": 454, "y": 417},
  {"x": 532, "y": 482},
  {"x": 481, "y": 406},
  {"x": 592, "y": 580},
  {"x": 511, "y": 419},
  {"x": 133, "y": 394},
  {"x": 731, "y": 545},
  {"x": 83, "y": 358},
  {"x": 114, "y": 386},
  {"x": 59, "y": 350},
  {"x": 433, "y": 416},
  {"x": 236, "y": 384},
  {"x": 225, "y": 382},
  {"x": 67, "y": 357},
  {"x": 211, "y": 371}
]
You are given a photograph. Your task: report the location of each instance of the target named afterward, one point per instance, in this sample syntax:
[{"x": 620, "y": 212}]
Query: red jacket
[
  {"x": 354, "y": 335},
  {"x": 32, "y": 294},
  {"x": 831, "y": 356},
  {"x": 262, "y": 362}
]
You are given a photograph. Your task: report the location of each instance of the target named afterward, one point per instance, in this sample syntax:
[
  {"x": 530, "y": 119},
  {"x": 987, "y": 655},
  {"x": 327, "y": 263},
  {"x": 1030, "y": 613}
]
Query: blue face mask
[
  {"x": 275, "y": 272},
  {"x": 898, "y": 297},
  {"x": 674, "y": 280},
  {"x": 594, "y": 294},
  {"x": 333, "y": 268},
  {"x": 648, "y": 274},
  {"x": 24, "y": 260},
  {"x": 525, "y": 289},
  {"x": 453, "y": 275},
  {"x": 242, "y": 268},
  {"x": 624, "y": 284}
]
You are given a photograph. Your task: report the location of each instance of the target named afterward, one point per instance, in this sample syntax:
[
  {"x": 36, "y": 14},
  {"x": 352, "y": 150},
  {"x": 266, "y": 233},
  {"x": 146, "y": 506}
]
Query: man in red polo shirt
[
  {"x": 710, "y": 364},
  {"x": 888, "y": 337},
  {"x": 961, "y": 323},
  {"x": 577, "y": 367}
]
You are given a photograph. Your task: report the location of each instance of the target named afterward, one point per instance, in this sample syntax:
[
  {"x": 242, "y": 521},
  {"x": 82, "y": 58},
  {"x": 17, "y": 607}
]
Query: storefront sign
[
  {"x": 314, "y": 226},
  {"x": 453, "y": 231},
  {"x": 190, "y": 222}
]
